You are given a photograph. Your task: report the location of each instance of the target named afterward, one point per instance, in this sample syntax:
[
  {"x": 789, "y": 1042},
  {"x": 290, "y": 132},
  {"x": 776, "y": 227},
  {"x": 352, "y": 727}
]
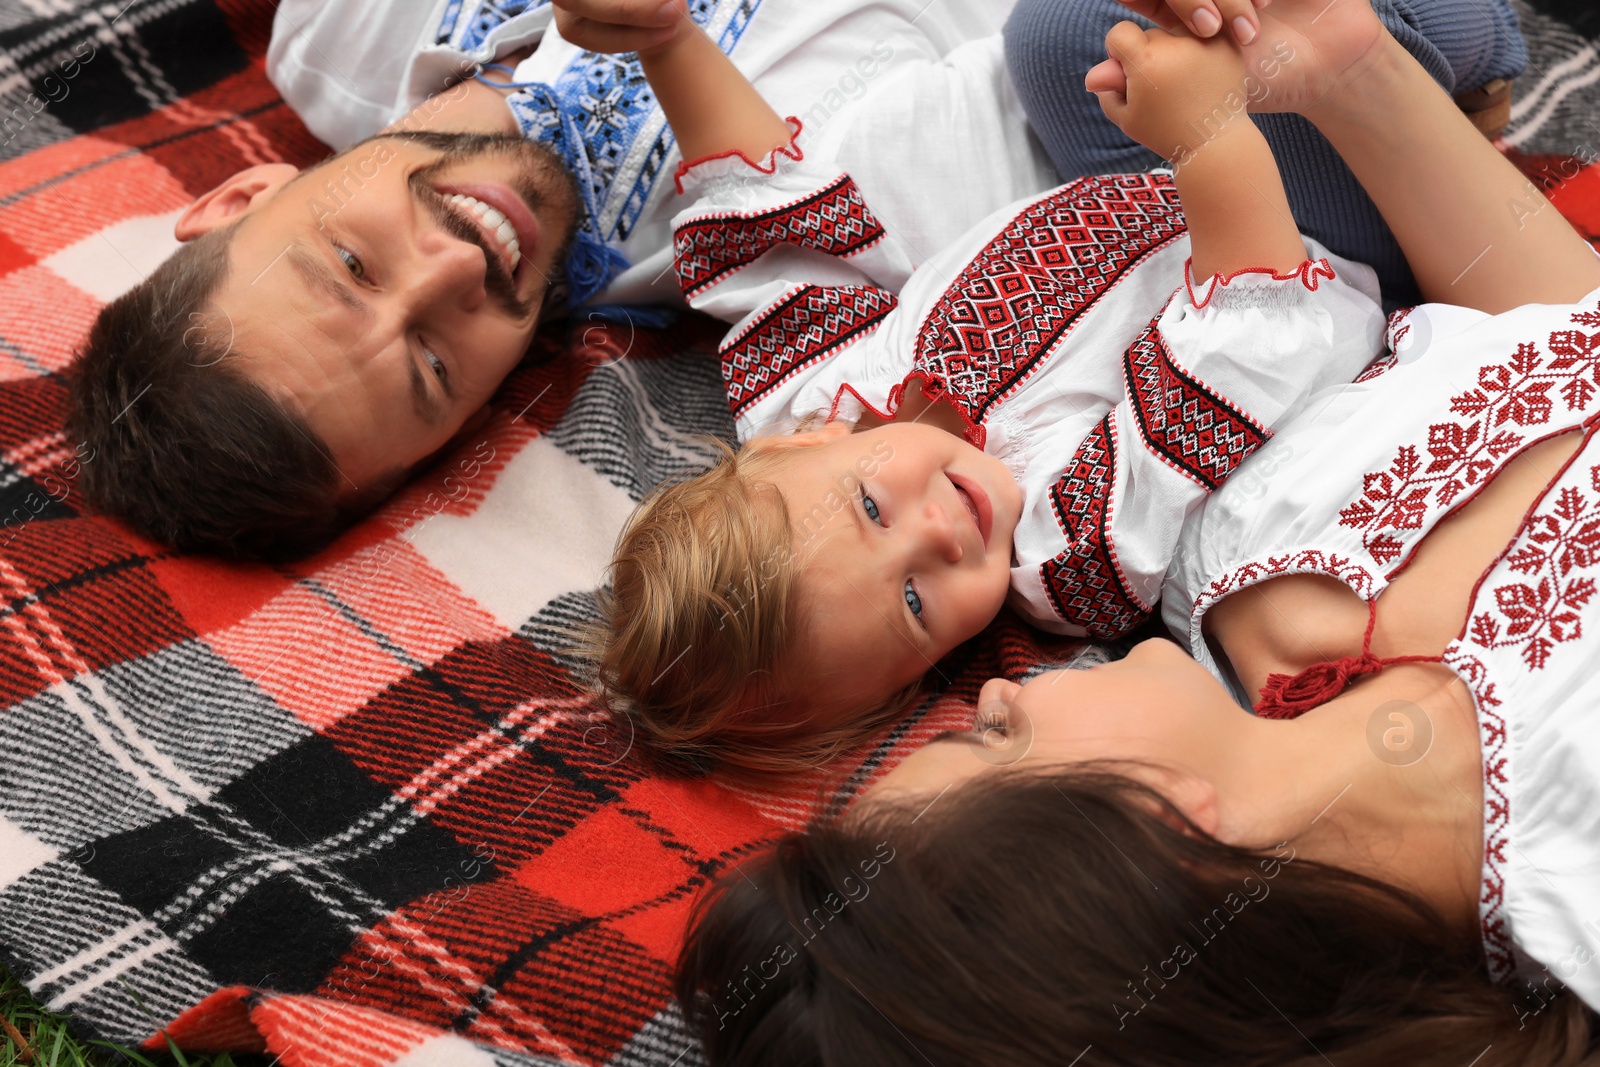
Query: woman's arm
[{"x": 1474, "y": 230}]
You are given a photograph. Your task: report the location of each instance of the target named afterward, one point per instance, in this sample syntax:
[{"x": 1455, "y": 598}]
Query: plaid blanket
[{"x": 354, "y": 810}]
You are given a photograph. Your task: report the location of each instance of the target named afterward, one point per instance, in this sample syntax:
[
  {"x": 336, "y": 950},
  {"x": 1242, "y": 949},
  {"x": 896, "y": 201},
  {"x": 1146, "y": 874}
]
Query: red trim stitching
[
  {"x": 1305, "y": 561},
  {"x": 1308, "y": 274},
  {"x": 769, "y": 166},
  {"x": 932, "y": 388},
  {"x": 1492, "y": 925}
]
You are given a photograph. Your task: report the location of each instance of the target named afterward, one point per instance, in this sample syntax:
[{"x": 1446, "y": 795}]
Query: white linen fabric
[
  {"x": 885, "y": 88},
  {"x": 1349, "y": 488},
  {"x": 1061, "y": 327}
]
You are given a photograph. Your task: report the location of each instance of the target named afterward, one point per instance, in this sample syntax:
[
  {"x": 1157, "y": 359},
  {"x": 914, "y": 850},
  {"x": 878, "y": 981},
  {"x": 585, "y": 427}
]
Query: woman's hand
[
  {"x": 1296, "y": 51},
  {"x": 643, "y": 26}
]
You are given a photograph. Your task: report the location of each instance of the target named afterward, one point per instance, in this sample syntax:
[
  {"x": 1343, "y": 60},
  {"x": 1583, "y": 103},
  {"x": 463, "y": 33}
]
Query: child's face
[{"x": 905, "y": 534}]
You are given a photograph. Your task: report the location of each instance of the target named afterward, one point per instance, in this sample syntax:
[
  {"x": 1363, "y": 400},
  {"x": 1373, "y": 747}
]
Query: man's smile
[{"x": 502, "y": 216}]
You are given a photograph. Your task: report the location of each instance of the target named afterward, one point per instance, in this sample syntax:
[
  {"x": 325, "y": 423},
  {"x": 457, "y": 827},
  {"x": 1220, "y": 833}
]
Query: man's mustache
[{"x": 459, "y": 147}]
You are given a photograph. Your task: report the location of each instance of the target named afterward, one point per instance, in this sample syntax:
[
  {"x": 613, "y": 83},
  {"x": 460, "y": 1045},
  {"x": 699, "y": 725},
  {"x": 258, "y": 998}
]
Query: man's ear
[
  {"x": 241, "y": 193},
  {"x": 821, "y": 435}
]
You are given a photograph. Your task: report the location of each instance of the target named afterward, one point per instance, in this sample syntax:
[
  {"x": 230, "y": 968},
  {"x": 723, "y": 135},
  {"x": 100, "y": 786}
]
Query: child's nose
[{"x": 941, "y": 533}]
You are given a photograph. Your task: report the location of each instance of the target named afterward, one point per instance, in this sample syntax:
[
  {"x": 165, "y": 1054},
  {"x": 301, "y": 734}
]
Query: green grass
[{"x": 51, "y": 1044}]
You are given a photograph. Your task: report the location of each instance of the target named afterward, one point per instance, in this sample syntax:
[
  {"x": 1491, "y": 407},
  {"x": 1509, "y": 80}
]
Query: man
[{"x": 323, "y": 333}]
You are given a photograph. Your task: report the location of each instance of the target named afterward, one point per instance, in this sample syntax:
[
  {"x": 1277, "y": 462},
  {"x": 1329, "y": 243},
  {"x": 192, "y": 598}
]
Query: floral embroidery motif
[
  {"x": 835, "y": 220},
  {"x": 1552, "y": 548},
  {"x": 1192, "y": 428},
  {"x": 810, "y": 324},
  {"x": 1015, "y": 299},
  {"x": 1509, "y": 397}
]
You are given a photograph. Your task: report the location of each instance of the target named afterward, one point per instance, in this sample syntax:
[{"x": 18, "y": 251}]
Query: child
[{"x": 973, "y": 439}]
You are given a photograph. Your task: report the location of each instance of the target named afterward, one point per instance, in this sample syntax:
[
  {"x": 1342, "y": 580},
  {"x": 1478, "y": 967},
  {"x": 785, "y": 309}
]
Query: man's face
[{"x": 385, "y": 306}]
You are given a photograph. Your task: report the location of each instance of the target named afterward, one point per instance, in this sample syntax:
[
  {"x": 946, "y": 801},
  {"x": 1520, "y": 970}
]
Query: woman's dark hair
[{"x": 1078, "y": 918}]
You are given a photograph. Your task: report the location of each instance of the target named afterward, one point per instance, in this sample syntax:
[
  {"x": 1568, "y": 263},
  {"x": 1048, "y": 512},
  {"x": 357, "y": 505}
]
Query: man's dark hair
[{"x": 186, "y": 449}]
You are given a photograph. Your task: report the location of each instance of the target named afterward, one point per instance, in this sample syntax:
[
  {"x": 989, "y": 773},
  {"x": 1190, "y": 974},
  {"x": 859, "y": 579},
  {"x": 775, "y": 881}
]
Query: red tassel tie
[{"x": 1286, "y": 696}]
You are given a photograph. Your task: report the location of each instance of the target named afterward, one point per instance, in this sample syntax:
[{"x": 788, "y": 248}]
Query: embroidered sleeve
[
  {"x": 787, "y": 250},
  {"x": 1260, "y": 343},
  {"x": 1204, "y": 384},
  {"x": 741, "y": 211}
]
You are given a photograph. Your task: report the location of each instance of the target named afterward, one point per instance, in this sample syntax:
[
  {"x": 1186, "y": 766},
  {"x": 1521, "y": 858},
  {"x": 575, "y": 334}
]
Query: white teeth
[{"x": 495, "y": 221}]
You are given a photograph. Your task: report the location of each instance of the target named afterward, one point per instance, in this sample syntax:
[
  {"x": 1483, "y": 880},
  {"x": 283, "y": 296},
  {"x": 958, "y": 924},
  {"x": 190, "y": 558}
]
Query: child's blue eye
[
  {"x": 870, "y": 506},
  {"x": 913, "y": 601}
]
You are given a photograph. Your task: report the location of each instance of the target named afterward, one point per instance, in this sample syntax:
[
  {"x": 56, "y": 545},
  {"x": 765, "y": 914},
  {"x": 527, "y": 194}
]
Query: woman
[{"x": 1136, "y": 871}]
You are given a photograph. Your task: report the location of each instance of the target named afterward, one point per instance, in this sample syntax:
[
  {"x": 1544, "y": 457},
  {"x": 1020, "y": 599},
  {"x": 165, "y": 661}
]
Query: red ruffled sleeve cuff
[
  {"x": 1309, "y": 274},
  {"x": 735, "y": 161}
]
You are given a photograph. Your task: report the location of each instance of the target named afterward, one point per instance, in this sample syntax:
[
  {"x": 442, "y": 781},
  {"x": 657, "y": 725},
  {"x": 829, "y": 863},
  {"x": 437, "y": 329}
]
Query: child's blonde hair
[{"x": 702, "y": 642}]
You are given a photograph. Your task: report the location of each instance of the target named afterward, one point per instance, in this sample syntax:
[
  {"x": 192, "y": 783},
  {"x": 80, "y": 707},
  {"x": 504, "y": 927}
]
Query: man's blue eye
[
  {"x": 913, "y": 601},
  {"x": 353, "y": 262},
  {"x": 870, "y": 506}
]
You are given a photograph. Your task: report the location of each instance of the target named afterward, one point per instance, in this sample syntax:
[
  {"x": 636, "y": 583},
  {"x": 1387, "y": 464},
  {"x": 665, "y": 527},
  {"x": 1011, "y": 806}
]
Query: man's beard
[{"x": 540, "y": 177}]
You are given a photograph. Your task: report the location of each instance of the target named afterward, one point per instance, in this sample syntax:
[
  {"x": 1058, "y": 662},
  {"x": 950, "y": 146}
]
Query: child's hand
[
  {"x": 643, "y": 26},
  {"x": 1173, "y": 94},
  {"x": 1296, "y": 51}
]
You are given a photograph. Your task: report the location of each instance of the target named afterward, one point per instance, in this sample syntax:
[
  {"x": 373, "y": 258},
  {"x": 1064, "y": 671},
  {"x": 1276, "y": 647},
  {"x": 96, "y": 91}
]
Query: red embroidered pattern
[
  {"x": 1496, "y": 812},
  {"x": 1306, "y": 561},
  {"x": 1552, "y": 548},
  {"x": 1192, "y": 428},
  {"x": 1013, "y": 300},
  {"x": 1395, "y": 503},
  {"x": 1085, "y": 585},
  {"x": 1378, "y": 366},
  {"x": 835, "y": 220},
  {"x": 811, "y": 323}
]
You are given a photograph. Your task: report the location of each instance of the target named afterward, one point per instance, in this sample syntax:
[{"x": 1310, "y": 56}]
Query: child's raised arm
[
  {"x": 712, "y": 107},
  {"x": 1475, "y": 231},
  {"x": 1184, "y": 99}
]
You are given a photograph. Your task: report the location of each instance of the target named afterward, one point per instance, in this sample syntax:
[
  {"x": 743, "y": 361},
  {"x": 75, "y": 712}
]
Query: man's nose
[{"x": 449, "y": 269}]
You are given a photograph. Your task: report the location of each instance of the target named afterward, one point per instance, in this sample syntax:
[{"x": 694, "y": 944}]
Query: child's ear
[{"x": 819, "y": 435}]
